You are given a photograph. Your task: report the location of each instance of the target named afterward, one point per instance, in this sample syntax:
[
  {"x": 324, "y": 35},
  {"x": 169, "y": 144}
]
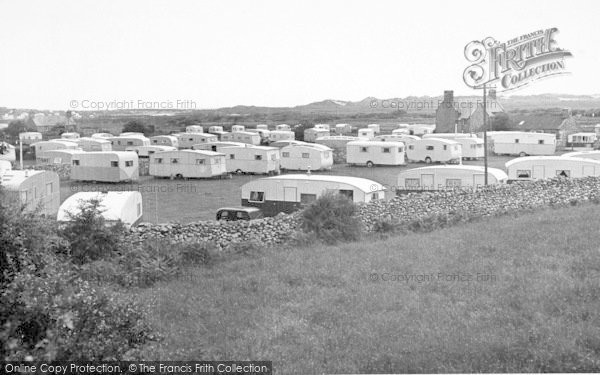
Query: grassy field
[
  {"x": 511, "y": 294},
  {"x": 188, "y": 201}
]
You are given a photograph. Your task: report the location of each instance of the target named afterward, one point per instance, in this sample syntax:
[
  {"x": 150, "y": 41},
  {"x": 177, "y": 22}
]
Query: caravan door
[
  {"x": 427, "y": 182},
  {"x": 538, "y": 172},
  {"x": 478, "y": 181}
]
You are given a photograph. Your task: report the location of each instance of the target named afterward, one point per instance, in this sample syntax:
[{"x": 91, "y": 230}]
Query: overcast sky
[{"x": 273, "y": 53}]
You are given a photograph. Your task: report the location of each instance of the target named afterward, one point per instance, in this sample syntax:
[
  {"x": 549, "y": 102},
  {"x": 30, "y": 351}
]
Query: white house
[
  {"x": 290, "y": 192},
  {"x": 105, "y": 166},
  {"x": 187, "y": 164},
  {"x": 308, "y": 157},
  {"x": 124, "y": 206},
  {"x": 371, "y": 153}
]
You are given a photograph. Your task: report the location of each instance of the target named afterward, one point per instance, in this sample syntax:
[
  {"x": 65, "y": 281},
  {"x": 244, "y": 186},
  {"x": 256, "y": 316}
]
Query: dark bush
[
  {"x": 332, "y": 219},
  {"x": 89, "y": 235}
]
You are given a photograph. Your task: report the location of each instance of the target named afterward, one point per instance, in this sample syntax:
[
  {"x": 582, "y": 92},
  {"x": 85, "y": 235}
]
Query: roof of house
[{"x": 537, "y": 121}]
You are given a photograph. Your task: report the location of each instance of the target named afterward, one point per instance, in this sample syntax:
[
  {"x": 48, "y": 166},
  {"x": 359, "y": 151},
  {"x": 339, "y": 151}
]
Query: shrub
[
  {"x": 89, "y": 235},
  {"x": 155, "y": 260},
  {"x": 332, "y": 218},
  {"x": 385, "y": 225},
  {"x": 246, "y": 247},
  {"x": 196, "y": 253}
]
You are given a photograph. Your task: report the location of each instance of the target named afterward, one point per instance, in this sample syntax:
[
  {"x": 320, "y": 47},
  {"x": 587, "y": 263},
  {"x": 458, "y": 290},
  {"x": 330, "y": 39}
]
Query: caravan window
[
  {"x": 273, "y": 157},
  {"x": 412, "y": 182},
  {"x": 257, "y": 196},
  {"x": 445, "y": 147},
  {"x": 200, "y": 161},
  {"x": 174, "y": 161},
  {"x": 385, "y": 150},
  {"x": 307, "y": 198},
  {"x": 257, "y": 157},
  {"x": 563, "y": 173},
  {"x": 158, "y": 160},
  {"x": 285, "y": 154},
  {"x": 114, "y": 164},
  {"x": 347, "y": 193},
  {"x": 75, "y": 162},
  {"x": 429, "y": 148},
  {"x": 231, "y": 156},
  {"x": 411, "y": 147},
  {"x": 374, "y": 196},
  {"x": 516, "y": 141},
  {"x": 363, "y": 149},
  {"x": 523, "y": 173},
  {"x": 400, "y": 149},
  {"x": 129, "y": 163},
  {"x": 541, "y": 142},
  {"x": 305, "y": 155}
]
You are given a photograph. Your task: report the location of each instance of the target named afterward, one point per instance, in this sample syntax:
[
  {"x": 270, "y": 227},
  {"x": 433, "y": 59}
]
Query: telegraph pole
[{"x": 485, "y": 146}]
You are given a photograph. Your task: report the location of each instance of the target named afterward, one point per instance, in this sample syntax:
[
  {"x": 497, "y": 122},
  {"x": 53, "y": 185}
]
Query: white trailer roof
[
  {"x": 510, "y": 163},
  {"x": 497, "y": 173},
  {"x": 13, "y": 179},
  {"x": 367, "y": 186},
  {"x": 375, "y": 143},
  {"x": 111, "y": 202},
  {"x": 580, "y": 153}
]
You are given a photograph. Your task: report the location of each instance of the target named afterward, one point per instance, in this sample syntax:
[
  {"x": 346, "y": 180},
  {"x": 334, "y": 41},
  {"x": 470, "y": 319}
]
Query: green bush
[
  {"x": 196, "y": 253},
  {"x": 332, "y": 218},
  {"x": 89, "y": 235}
]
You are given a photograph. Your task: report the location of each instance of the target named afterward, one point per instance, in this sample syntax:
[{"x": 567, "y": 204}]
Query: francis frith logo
[{"x": 515, "y": 63}]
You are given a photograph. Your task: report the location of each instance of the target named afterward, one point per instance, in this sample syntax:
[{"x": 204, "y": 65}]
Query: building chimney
[
  {"x": 448, "y": 96},
  {"x": 492, "y": 94}
]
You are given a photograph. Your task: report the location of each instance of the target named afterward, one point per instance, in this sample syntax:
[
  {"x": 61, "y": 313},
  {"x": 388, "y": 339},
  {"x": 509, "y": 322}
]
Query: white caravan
[
  {"x": 521, "y": 143},
  {"x": 262, "y": 126},
  {"x": 144, "y": 152},
  {"x": 336, "y": 141},
  {"x": 70, "y": 135},
  {"x": 164, "y": 140},
  {"x": 28, "y": 138},
  {"x": 322, "y": 127},
  {"x": 125, "y": 206},
  {"x": 371, "y": 153},
  {"x": 216, "y": 146},
  {"x": 125, "y": 140},
  {"x": 283, "y": 127},
  {"x": 251, "y": 159},
  {"x": 366, "y": 133},
  {"x": 54, "y": 144},
  {"x": 309, "y": 157},
  {"x": 237, "y": 128},
  {"x": 281, "y": 144},
  {"x": 401, "y": 131},
  {"x": 288, "y": 193},
  {"x": 343, "y": 129},
  {"x": 542, "y": 167},
  {"x": 187, "y": 164},
  {"x": 105, "y": 166},
  {"x": 94, "y": 144},
  {"x": 281, "y": 135},
  {"x": 243, "y": 137},
  {"x": 187, "y": 140},
  {"x": 101, "y": 135},
  {"x": 431, "y": 150},
  {"x": 404, "y": 138},
  {"x": 376, "y": 128},
  {"x": 311, "y": 135},
  {"x": 33, "y": 188},
  {"x": 194, "y": 129},
  {"x": 5, "y": 166},
  {"x": 585, "y": 140},
  {"x": 448, "y": 177},
  {"x": 472, "y": 147},
  {"x": 64, "y": 156}
]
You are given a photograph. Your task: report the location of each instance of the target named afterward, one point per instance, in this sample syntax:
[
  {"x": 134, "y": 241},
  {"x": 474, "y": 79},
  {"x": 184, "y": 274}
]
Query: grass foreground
[{"x": 508, "y": 294}]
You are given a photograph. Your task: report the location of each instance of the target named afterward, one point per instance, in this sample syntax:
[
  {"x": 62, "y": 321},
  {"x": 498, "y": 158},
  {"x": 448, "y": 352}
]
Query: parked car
[{"x": 238, "y": 213}]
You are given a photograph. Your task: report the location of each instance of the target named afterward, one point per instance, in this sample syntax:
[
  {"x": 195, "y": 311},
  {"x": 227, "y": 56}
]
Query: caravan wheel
[
  {"x": 179, "y": 176},
  {"x": 239, "y": 171},
  {"x": 370, "y": 164},
  {"x": 428, "y": 160},
  {"x": 521, "y": 154}
]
